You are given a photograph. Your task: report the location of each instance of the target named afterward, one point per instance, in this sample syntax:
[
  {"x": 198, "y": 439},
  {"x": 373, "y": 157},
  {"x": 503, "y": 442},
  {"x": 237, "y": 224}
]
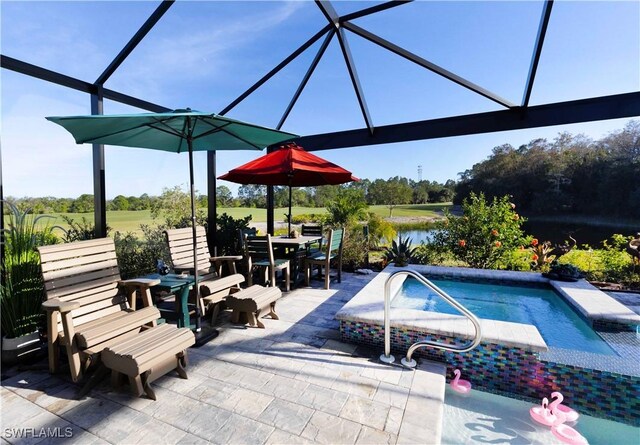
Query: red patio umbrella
[{"x": 292, "y": 166}]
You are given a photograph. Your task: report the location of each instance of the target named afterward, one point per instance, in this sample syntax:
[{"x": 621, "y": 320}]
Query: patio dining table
[{"x": 295, "y": 250}]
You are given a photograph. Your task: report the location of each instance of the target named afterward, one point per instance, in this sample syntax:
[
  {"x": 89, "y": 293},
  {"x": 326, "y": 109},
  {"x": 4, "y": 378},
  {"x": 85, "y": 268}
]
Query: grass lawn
[
  {"x": 130, "y": 221},
  {"x": 411, "y": 210}
]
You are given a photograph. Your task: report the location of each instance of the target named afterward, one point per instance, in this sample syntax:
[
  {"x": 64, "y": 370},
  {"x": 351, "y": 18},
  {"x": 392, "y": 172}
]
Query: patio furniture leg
[
  {"x": 272, "y": 311},
  {"x": 116, "y": 379},
  {"x": 136, "y": 385},
  {"x": 144, "y": 378},
  {"x": 327, "y": 277},
  {"x": 72, "y": 347},
  {"x": 287, "y": 277},
  {"x": 182, "y": 363},
  {"x": 215, "y": 311},
  {"x": 52, "y": 334},
  {"x": 254, "y": 319}
]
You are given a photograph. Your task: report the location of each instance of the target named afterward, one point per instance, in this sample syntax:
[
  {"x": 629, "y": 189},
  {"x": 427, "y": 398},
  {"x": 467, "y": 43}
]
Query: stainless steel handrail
[{"x": 407, "y": 361}]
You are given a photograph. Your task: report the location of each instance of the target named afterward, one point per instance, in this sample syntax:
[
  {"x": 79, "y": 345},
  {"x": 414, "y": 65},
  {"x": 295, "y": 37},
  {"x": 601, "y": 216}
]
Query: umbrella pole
[
  {"x": 196, "y": 287},
  {"x": 290, "y": 216}
]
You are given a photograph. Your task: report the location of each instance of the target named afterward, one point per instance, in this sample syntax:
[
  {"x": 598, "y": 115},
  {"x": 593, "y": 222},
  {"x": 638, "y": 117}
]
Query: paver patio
[{"x": 292, "y": 382}]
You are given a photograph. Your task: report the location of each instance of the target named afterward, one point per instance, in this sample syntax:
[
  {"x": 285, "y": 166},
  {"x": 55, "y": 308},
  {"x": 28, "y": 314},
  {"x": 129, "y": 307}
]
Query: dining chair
[
  {"x": 313, "y": 230},
  {"x": 258, "y": 253},
  {"x": 332, "y": 252}
]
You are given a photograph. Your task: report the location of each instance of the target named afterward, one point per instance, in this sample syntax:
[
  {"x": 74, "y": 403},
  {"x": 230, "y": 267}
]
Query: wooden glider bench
[
  {"x": 88, "y": 306},
  {"x": 213, "y": 286},
  {"x": 148, "y": 356},
  {"x": 248, "y": 303}
]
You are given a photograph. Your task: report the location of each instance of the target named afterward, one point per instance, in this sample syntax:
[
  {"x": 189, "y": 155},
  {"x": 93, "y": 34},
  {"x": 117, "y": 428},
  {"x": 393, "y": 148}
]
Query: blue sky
[{"x": 204, "y": 54}]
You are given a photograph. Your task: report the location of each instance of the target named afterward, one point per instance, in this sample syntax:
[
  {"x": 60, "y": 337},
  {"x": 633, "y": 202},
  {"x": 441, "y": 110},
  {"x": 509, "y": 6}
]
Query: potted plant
[
  {"x": 563, "y": 272},
  {"x": 21, "y": 291},
  {"x": 400, "y": 253}
]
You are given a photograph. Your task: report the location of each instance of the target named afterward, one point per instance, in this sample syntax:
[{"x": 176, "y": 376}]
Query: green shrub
[
  {"x": 348, "y": 207},
  {"x": 379, "y": 230},
  {"x": 304, "y": 218},
  {"x": 137, "y": 257},
  {"x": 400, "y": 253},
  {"x": 484, "y": 235},
  {"x": 610, "y": 264},
  {"x": 354, "y": 248},
  {"x": 79, "y": 231},
  {"x": 227, "y": 238},
  {"x": 22, "y": 289}
]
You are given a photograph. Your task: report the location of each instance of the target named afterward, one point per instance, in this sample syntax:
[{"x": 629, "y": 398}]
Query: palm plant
[
  {"x": 22, "y": 288},
  {"x": 401, "y": 252}
]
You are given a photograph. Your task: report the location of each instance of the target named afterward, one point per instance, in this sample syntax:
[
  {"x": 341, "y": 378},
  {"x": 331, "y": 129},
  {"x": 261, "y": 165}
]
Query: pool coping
[{"x": 367, "y": 306}]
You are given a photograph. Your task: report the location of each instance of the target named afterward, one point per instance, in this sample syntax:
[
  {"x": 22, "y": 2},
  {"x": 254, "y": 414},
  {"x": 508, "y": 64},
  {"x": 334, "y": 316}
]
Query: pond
[{"x": 557, "y": 233}]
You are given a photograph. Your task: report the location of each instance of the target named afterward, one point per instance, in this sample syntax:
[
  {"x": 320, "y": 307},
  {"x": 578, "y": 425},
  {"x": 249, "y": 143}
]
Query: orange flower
[
  {"x": 534, "y": 257},
  {"x": 462, "y": 243},
  {"x": 516, "y": 217},
  {"x": 521, "y": 247},
  {"x": 534, "y": 242},
  {"x": 498, "y": 244},
  {"x": 494, "y": 232}
]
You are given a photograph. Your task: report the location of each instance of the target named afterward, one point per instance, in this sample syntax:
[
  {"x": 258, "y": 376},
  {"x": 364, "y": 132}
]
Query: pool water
[
  {"x": 558, "y": 324},
  {"x": 482, "y": 417}
]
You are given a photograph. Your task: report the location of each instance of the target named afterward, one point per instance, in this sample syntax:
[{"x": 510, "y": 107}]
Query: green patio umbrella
[{"x": 175, "y": 131}]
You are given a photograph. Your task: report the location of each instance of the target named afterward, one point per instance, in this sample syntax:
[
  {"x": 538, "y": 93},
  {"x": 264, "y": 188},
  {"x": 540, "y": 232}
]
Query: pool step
[{"x": 422, "y": 420}]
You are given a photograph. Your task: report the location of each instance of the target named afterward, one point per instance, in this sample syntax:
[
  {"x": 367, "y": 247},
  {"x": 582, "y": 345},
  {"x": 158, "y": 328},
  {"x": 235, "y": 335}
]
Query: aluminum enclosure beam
[
  {"x": 135, "y": 40},
  {"x": 30, "y": 70},
  {"x": 334, "y": 20},
  {"x": 99, "y": 187},
  {"x": 373, "y": 9},
  {"x": 276, "y": 69},
  {"x": 426, "y": 64},
  {"x": 305, "y": 79},
  {"x": 561, "y": 113},
  {"x": 542, "y": 31}
]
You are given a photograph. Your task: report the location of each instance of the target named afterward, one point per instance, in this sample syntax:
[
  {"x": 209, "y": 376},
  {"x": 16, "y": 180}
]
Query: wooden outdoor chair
[
  {"x": 213, "y": 287},
  {"x": 88, "y": 306},
  {"x": 332, "y": 252},
  {"x": 313, "y": 230},
  {"x": 258, "y": 253}
]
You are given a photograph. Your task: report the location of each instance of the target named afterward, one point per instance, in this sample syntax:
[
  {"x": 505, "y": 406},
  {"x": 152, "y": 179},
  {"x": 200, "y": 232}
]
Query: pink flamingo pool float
[
  {"x": 545, "y": 414},
  {"x": 568, "y": 435},
  {"x": 570, "y": 414},
  {"x": 554, "y": 415},
  {"x": 460, "y": 385}
]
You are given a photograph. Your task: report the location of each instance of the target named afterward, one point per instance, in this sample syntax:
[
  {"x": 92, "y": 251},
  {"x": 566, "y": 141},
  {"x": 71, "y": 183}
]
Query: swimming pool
[
  {"x": 558, "y": 324},
  {"x": 512, "y": 359},
  {"x": 483, "y": 417}
]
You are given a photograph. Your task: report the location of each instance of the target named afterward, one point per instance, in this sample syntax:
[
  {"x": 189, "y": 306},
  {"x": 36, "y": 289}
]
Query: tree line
[
  {"x": 391, "y": 192},
  {"x": 573, "y": 174}
]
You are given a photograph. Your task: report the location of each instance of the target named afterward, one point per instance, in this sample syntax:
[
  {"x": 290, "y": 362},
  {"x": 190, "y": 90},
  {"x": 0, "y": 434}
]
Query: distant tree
[
  {"x": 348, "y": 206},
  {"x": 174, "y": 205},
  {"x": 83, "y": 204},
  {"x": 224, "y": 196},
  {"x": 325, "y": 194},
  {"x": 253, "y": 195},
  {"x": 120, "y": 203}
]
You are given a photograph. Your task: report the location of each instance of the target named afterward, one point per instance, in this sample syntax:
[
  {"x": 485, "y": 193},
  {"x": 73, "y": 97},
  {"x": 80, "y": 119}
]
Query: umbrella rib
[
  {"x": 94, "y": 138},
  {"x": 221, "y": 128},
  {"x": 215, "y": 129}
]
